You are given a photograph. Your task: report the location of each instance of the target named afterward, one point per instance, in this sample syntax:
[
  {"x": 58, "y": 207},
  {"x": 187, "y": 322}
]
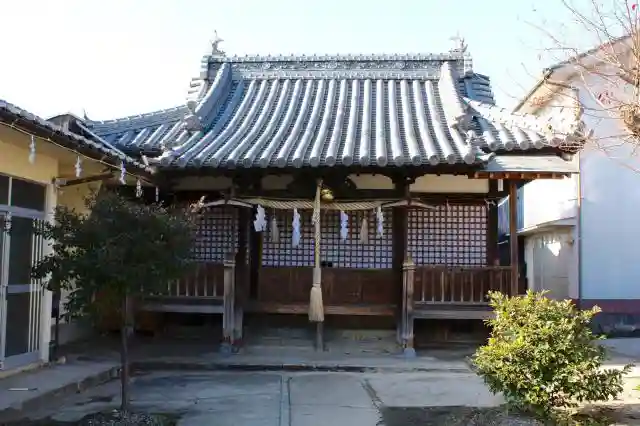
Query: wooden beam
[
  {"x": 256, "y": 173},
  {"x": 519, "y": 175},
  {"x": 65, "y": 182},
  {"x": 513, "y": 235},
  {"x": 360, "y": 195}
]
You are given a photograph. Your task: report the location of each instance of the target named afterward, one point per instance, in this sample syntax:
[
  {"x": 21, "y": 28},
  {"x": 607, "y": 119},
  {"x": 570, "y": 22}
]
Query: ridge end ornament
[
  {"x": 461, "y": 45},
  {"x": 215, "y": 45}
]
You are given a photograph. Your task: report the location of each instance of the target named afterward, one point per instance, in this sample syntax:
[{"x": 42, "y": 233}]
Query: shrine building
[{"x": 342, "y": 186}]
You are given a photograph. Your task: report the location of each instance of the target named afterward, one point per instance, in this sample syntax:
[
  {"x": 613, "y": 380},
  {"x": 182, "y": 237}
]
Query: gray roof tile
[
  {"x": 98, "y": 145},
  {"x": 331, "y": 110}
]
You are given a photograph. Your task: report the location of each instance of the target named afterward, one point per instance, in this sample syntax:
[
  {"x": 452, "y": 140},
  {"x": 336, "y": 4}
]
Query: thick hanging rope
[
  {"x": 345, "y": 206},
  {"x": 316, "y": 308}
]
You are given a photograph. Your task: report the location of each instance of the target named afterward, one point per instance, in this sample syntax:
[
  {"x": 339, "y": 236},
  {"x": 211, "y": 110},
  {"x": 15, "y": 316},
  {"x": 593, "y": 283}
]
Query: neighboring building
[
  {"x": 546, "y": 230},
  {"x": 581, "y": 232},
  {"x": 410, "y": 148},
  {"x": 37, "y": 172}
]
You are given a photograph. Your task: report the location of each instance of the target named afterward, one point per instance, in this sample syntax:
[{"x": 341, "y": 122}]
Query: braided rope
[
  {"x": 316, "y": 308},
  {"x": 315, "y": 204},
  {"x": 345, "y": 206},
  {"x": 316, "y": 235}
]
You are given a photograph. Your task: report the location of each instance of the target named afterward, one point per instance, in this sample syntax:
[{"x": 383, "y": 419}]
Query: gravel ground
[
  {"x": 390, "y": 416},
  {"x": 112, "y": 418},
  {"x": 454, "y": 416}
]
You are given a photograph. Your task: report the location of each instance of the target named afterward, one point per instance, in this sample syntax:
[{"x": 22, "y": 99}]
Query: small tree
[
  {"x": 542, "y": 355},
  {"x": 118, "y": 252}
]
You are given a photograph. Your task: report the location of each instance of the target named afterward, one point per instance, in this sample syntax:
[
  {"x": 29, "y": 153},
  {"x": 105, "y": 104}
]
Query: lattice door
[
  {"x": 453, "y": 234},
  {"x": 217, "y": 234},
  {"x": 376, "y": 253},
  {"x": 282, "y": 252}
]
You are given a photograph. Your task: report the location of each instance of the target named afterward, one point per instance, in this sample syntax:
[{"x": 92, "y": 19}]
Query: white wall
[
  {"x": 551, "y": 200},
  {"x": 551, "y": 263},
  {"x": 545, "y": 200},
  {"x": 542, "y": 201},
  {"x": 610, "y": 227}
]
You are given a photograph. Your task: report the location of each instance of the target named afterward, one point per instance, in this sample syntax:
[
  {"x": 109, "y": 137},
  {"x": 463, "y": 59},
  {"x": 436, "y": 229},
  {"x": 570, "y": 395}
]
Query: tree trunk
[{"x": 124, "y": 354}]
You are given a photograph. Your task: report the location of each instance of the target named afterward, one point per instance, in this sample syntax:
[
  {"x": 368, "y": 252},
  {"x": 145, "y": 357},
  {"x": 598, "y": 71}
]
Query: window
[
  {"x": 4, "y": 189},
  {"x": 21, "y": 250},
  {"x": 28, "y": 195}
]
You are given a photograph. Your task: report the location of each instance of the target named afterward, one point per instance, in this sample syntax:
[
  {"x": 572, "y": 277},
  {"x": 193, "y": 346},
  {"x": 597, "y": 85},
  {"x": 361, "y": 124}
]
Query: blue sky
[{"x": 121, "y": 57}]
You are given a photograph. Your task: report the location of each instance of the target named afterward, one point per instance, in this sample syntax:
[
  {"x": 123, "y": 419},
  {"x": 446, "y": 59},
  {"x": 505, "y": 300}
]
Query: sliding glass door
[{"x": 21, "y": 308}]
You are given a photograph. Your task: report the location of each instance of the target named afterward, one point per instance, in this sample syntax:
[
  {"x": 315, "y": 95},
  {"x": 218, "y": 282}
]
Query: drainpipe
[{"x": 579, "y": 230}]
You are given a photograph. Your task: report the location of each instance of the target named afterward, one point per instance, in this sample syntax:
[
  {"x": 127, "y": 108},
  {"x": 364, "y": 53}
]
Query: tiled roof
[
  {"x": 98, "y": 146},
  {"x": 376, "y": 110}
]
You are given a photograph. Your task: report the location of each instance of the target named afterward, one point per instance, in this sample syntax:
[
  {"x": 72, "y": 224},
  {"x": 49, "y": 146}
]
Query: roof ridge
[
  {"x": 138, "y": 116},
  {"x": 409, "y": 56}
]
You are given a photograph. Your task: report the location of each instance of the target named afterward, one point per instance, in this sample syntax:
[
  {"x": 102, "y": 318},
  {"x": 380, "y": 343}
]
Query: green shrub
[{"x": 542, "y": 355}]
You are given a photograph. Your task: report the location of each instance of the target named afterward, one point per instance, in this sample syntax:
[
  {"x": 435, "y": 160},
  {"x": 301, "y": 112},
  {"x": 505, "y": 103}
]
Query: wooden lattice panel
[
  {"x": 376, "y": 253},
  {"x": 351, "y": 253},
  {"x": 217, "y": 235},
  {"x": 282, "y": 252},
  {"x": 451, "y": 234}
]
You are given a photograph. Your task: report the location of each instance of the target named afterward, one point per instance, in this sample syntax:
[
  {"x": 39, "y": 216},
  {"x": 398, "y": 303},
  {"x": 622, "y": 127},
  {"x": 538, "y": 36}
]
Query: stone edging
[
  {"x": 146, "y": 366},
  {"x": 32, "y": 404}
]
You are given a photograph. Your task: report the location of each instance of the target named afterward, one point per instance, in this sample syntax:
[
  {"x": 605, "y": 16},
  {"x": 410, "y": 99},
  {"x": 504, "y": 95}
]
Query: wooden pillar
[
  {"x": 255, "y": 258},
  {"x": 408, "y": 274},
  {"x": 229, "y": 302},
  {"x": 244, "y": 217},
  {"x": 513, "y": 235},
  {"x": 241, "y": 276},
  {"x": 492, "y": 226},
  {"x": 399, "y": 240},
  {"x": 254, "y": 184},
  {"x": 399, "y": 231}
]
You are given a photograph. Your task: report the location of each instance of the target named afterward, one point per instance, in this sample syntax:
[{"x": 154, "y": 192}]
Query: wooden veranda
[{"x": 430, "y": 263}]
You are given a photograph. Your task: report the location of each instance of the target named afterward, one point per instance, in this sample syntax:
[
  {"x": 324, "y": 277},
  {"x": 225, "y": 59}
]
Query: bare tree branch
[{"x": 598, "y": 50}]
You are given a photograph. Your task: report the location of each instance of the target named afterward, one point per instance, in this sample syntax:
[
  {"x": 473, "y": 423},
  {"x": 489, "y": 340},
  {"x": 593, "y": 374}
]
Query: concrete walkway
[
  {"x": 261, "y": 386},
  {"x": 626, "y": 347},
  {"x": 280, "y": 399},
  {"x": 91, "y": 364}
]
